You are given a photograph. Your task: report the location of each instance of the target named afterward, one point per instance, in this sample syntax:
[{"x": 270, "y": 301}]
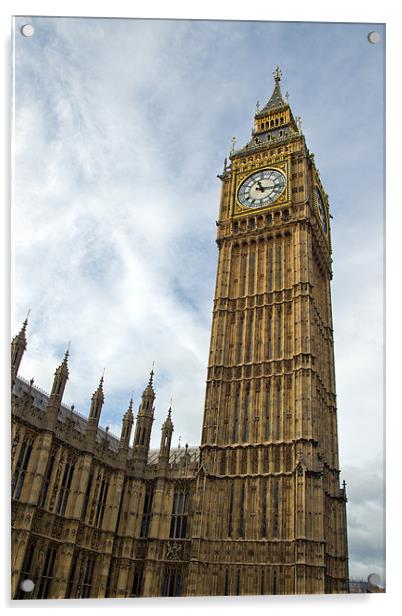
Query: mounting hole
[
  {"x": 27, "y": 30},
  {"x": 374, "y": 37},
  {"x": 27, "y": 585}
]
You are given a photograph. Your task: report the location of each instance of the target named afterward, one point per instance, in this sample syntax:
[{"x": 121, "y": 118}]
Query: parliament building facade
[{"x": 257, "y": 508}]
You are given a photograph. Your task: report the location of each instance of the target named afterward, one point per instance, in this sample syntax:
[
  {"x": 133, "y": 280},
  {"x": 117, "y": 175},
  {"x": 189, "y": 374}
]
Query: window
[
  {"x": 70, "y": 583},
  {"x": 252, "y": 274},
  {"x": 233, "y": 462},
  {"x": 241, "y": 517},
  {"x": 222, "y": 469},
  {"x": 279, "y": 332},
  {"x": 38, "y": 566},
  {"x": 46, "y": 575},
  {"x": 267, "y": 410},
  {"x": 26, "y": 572},
  {"x": 136, "y": 587},
  {"x": 46, "y": 480},
  {"x": 236, "y": 413},
  {"x": 88, "y": 577},
  {"x": 178, "y": 524},
  {"x": 226, "y": 587},
  {"x": 278, "y": 409},
  {"x": 279, "y": 264},
  {"x": 21, "y": 468},
  {"x": 100, "y": 509},
  {"x": 270, "y": 268},
  {"x": 80, "y": 581},
  {"x": 240, "y": 347},
  {"x": 244, "y": 462},
  {"x": 266, "y": 460},
  {"x": 245, "y": 413},
  {"x": 243, "y": 274},
  {"x": 276, "y": 509},
  {"x": 86, "y": 497},
  {"x": 171, "y": 583},
  {"x": 146, "y": 516},
  {"x": 269, "y": 335},
  {"x": 230, "y": 511},
  {"x": 264, "y": 510},
  {"x": 65, "y": 487},
  {"x": 249, "y": 337}
]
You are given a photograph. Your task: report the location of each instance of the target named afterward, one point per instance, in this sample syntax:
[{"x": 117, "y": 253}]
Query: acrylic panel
[{"x": 197, "y": 288}]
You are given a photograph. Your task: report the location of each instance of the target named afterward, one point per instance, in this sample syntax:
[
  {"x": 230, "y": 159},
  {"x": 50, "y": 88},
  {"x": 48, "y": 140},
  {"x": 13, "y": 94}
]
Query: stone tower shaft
[{"x": 269, "y": 440}]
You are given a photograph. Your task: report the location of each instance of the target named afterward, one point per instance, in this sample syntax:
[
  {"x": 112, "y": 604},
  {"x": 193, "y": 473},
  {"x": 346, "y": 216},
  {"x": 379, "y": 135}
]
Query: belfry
[{"x": 257, "y": 508}]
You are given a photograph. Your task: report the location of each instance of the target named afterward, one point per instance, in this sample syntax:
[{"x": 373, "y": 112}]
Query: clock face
[
  {"x": 261, "y": 188},
  {"x": 321, "y": 209}
]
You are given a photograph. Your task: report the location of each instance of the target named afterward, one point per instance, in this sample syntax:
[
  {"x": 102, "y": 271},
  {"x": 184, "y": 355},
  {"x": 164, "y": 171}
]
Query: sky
[{"x": 120, "y": 129}]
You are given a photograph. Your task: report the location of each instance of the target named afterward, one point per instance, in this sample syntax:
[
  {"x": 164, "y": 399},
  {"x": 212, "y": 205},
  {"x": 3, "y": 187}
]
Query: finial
[
  {"x": 225, "y": 165},
  {"x": 31, "y": 382},
  {"x": 25, "y": 323},
  {"x": 151, "y": 375},
  {"x": 257, "y": 106},
  {"x": 67, "y": 353},
  {"x": 277, "y": 74},
  {"x": 178, "y": 446},
  {"x": 287, "y": 96},
  {"x": 233, "y": 143}
]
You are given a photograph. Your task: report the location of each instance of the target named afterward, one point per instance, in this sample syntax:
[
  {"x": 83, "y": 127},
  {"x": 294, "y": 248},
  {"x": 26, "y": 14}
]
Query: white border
[{"x": 307, "y": 10}]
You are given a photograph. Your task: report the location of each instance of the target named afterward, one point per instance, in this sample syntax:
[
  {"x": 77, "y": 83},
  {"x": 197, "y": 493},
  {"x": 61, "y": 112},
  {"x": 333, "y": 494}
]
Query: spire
[
  {"x": 18, "y": 346},
  {"x": 273, "y": 123},
  {"x": 127, "y": 424},
  {"x": 129, "y": 412},
  {"x": 276, "y": 101},
  {"x": 166, "y": 438},
  {"x": 61, "y": 375},
  {"x": 56, "y": 396},
  {"x": 97, "y": 401},
  {"x": 150, "y": 386},
  {"x": 144, "y": 422},
  {"x": 148, "y": 395}
]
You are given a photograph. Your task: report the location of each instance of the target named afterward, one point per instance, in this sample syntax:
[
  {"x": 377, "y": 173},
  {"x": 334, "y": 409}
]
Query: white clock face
[
  {"x": 261, "y": 188},
  {"x": 321, "y": 209}
]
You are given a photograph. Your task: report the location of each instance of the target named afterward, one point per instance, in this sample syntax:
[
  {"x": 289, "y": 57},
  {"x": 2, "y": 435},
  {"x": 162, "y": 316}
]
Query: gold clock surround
[{"x": 282, "y": 167}]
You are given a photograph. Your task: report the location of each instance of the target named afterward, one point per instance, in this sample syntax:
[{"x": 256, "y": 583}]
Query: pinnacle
[
  {"x": 98, "y": 393},
  {"x": 129, "y": 412}
]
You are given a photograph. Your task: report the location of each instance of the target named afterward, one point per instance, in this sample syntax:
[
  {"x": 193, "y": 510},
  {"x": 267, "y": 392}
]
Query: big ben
[{"x": 269, "y": 512}]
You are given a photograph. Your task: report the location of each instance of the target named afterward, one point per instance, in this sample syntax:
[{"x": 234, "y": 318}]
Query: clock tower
[{"x": 269, "y": 514}]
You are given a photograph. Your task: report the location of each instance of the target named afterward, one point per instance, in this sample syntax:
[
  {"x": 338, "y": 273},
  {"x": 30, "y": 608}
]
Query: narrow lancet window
[
  {"x": 278, "y": 409},
  {"x": 65, "y": 488},
  {"x": 21, "y": 469}
]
